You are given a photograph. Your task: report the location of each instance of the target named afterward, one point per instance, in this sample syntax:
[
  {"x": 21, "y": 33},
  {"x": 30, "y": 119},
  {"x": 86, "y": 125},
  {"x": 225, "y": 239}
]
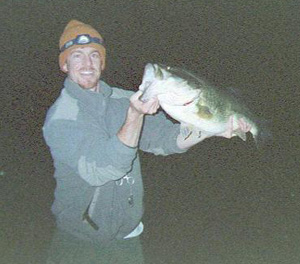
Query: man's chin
[{"x": 89, "y": 86}]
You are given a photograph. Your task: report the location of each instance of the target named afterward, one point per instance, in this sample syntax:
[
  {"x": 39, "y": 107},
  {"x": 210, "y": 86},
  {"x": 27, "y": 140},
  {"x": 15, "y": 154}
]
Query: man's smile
[{"x": 87, "y": 72}]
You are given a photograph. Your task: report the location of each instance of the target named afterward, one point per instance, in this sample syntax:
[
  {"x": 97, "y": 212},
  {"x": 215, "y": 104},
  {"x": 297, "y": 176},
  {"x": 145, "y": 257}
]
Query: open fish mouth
[{"x": 158, "y": 81}]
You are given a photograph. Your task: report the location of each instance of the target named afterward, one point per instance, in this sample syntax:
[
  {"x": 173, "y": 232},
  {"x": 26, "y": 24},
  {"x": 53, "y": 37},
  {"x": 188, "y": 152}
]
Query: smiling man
[
  {"x": 94, "y": 132},
  {"x": 84, "y": 67},
  {"x": 82, "y": 55}
]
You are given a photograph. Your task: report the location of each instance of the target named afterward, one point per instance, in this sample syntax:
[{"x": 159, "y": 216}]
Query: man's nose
[{"x": 87, "y": 60}]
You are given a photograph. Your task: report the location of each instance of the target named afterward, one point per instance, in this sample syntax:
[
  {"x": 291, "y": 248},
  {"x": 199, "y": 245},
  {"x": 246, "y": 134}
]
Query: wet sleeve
[
  {"x": 159, "y": 135},
  {"x": 89, "y": 151}
]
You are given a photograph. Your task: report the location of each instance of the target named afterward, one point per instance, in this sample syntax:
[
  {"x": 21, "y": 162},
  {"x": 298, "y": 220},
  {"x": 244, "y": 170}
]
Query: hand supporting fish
[
  {"x": 241, "y": 130},
  {"x": 129, "y": 133},
  {"x": 191, "y": 135}
]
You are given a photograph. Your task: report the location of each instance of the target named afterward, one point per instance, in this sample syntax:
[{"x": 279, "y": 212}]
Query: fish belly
[{"x": 188, "y": 115}]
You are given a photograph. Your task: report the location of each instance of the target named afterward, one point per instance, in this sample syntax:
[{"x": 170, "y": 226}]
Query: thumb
[{"x": 136, "y": 95}]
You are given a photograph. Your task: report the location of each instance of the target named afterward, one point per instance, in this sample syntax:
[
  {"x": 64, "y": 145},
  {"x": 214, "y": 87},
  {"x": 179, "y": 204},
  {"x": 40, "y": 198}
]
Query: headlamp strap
[{"x": 81, "y": 39}]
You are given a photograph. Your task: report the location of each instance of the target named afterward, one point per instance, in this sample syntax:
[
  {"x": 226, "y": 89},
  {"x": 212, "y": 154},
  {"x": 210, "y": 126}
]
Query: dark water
[{"x": 223, "y": 201}]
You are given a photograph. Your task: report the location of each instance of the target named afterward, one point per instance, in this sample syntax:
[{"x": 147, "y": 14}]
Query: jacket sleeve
[
  {"x": 159, "y": 135},
  {"x": 88, "y": 150}
]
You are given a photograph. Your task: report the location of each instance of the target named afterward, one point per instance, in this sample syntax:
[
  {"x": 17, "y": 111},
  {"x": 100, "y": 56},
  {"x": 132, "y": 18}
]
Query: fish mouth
[
  {"x": 148, "y": 78},
  {"x": 155, "y": 70},
  {"x": 158, "y": 72}
]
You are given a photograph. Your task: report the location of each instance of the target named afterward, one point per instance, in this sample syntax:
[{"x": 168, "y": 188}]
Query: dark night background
[{"x": 223, "y": 202}]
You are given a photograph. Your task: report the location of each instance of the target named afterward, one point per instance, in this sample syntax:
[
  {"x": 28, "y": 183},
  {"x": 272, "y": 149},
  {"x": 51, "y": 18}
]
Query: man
[{"x": 94, "y": 132}]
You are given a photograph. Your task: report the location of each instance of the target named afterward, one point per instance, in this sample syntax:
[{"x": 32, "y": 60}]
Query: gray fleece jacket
[{"x": 99, "y": 189}]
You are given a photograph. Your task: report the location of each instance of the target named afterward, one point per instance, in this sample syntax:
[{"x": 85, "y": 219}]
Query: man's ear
[
  {"x": 102, "y": 64},
  {"x": 65, "y": 67}
]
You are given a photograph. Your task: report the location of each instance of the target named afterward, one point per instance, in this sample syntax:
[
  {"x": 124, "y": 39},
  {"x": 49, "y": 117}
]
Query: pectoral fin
[
  {"x": 187, "y": 130},
  {"x": 204, "y": 112}
]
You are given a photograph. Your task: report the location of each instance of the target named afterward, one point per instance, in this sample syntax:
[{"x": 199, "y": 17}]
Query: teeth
[{"x": 86, "y": 72}]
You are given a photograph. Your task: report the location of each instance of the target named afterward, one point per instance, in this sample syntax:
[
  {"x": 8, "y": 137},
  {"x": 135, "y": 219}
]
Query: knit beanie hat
[{"x": 77, "y": 34}]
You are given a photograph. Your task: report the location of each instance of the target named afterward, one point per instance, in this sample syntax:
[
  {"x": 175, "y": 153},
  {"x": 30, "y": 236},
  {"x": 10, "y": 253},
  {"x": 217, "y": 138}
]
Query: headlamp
[{"x": 82, "y": 39}]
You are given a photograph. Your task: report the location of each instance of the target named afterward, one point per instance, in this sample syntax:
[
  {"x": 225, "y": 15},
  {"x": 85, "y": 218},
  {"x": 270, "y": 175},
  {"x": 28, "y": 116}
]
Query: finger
[
  {"x": 230, "y": 127},
  {"x": 241, "y": 124},
  {"x": 154, "y": 107},
  {"x": 244, "y": 126},
  {"x": 151, "y": 102},
  {"x": 248, "y": 127}
]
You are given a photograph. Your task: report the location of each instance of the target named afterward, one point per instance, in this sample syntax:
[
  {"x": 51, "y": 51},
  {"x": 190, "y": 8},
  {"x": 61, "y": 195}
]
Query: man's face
[{"x": 83, "y": 66}]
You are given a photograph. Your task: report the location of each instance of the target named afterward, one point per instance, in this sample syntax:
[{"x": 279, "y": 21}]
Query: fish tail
[{"x": 263, "y": 137}]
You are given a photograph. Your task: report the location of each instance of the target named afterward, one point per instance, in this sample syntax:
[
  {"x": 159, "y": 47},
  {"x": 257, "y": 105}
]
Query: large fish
[{"x": 193, "y": 102}]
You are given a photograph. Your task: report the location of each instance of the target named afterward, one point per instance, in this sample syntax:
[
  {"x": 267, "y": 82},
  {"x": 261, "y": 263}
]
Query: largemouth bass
[{"x": 193, "y": 102}]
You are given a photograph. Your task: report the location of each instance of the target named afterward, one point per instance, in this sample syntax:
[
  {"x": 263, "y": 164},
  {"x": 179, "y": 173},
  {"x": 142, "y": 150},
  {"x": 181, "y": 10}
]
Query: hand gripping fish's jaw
[
  {"x": 153, "y": 75},
  {"x": 143, "y": 99}
]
